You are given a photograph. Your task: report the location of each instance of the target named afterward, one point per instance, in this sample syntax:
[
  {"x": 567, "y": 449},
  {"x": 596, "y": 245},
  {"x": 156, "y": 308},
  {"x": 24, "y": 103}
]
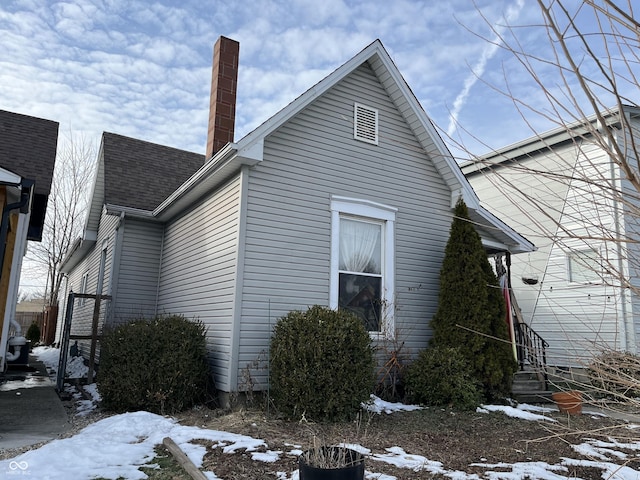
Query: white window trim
[{"x": 374, "y": 211}]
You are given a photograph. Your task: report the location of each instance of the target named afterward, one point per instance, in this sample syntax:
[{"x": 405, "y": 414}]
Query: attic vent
[{"x": 365, "y": 124}]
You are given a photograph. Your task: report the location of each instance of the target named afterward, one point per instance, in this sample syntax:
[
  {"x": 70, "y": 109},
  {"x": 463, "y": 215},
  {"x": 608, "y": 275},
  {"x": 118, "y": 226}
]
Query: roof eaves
[
  {"x": 545, "y": 141},
  {"x": 516, "y": 242},
  {"x": 223, "y": 164},
  {"x": 462, "y": 188},
  {"x": 78, "y": 251},
  {"x": 118, "y": 210}
]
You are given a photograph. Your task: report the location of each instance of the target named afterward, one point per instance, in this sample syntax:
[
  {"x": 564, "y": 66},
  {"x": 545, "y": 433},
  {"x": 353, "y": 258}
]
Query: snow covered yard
[{"x": 399, "y": 441}]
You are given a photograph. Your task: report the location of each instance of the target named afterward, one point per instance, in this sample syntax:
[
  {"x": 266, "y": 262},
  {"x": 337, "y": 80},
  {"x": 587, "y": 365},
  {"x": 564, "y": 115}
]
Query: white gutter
[
  {"x": 222, "y": 165},
  {"x": 521, "y": 243},
  {"x": 118, "y": 210}
]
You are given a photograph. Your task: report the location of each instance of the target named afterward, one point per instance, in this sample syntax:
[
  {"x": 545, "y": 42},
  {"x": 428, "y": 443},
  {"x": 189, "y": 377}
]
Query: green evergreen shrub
[
  {"x": 442, "y": 376},
  {"x": 321, "y": 364},
  {"x": 471, "y": 310},
  {"x": 159, "y": 365},
  {"x": 33, "y": 333}
]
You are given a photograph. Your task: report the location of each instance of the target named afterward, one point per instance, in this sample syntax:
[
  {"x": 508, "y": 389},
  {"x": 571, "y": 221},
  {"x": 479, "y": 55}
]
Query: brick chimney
[{"x": 222, "y": 107}]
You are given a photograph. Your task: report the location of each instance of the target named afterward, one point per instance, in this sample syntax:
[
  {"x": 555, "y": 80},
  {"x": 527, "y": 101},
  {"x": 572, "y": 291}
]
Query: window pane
[
  {"x": 361, "y": 294},
  {"x": 360, "y": 246},
  {"x": 584, "y": 266}
]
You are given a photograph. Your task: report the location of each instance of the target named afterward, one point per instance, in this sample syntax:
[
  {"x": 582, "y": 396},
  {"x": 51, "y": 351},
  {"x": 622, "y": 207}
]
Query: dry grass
[{"x": 456, "y": 439}]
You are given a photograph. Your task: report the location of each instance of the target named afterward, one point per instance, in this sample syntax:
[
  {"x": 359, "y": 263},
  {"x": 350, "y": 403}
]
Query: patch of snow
[
  {"x": 356, "y": 448},
  {"x": 401, "y": 459},
  {"x": 76, "y": 368},
  {"x": 49, "y": 356},
  {"x": 610, "y": 471},
  {"x": 117, "y": 446},
  {"x": 522, "y": 470},
  {"x": 513, "y": 412},
  {"x": 268, "y": 456},
  {"x": 535, "y": 408},
  {"x": 377, "y": 405}
]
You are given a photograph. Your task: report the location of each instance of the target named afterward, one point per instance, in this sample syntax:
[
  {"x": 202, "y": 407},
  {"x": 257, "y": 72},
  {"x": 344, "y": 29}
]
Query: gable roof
[
  {"x": 249, "y": 150},
  {"x": 141, "y": 174},
  {"x": 132, "y": 175},
  {"x": 28, "y": 149},
  {"x": 136, "y": 175}
]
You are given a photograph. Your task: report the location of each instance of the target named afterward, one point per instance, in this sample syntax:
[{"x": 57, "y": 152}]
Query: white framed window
[
  {"x": 83, "y": 286},
  {"x": 584, "y": 266},
  {"x": 362, "y": 261},
  {"x": 365, "y": 123}
]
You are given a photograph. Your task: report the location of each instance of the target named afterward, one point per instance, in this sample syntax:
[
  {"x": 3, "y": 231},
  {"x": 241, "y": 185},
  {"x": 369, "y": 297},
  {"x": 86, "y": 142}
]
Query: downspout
[
  {"x": 164, "y": 231},
  {"x": 115, "y": 268},
  {"x": 626, "y": 342}
]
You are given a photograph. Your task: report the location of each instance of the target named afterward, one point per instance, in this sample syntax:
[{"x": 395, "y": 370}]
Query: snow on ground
[
  {"x": 75, "y": 368},
  {"x": 117, "y": 446},
  {"x": 377, "y": 405},
  {"x": 522, "y": 411}
]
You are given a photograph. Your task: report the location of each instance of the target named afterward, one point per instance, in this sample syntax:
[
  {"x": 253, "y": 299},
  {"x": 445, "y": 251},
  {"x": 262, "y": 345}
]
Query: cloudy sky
[{"x": 142, "y": 68}]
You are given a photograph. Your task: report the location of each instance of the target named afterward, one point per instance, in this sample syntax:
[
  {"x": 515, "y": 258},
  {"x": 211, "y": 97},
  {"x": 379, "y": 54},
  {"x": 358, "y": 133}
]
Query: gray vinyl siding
[
  {"x": 83, "y": 311},
  {"x": 198, "y": 271},
  {"x": 288, "y": 229},
  {"x": 136, "y": 291}
]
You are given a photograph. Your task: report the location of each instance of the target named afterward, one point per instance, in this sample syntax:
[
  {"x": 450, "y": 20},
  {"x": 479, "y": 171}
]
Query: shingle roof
[
  {"x": 28, "y": 148},
  {"x": 141, "y": 174}
]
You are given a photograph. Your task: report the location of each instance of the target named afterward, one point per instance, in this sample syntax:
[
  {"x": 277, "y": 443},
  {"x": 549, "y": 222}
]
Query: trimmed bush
[
  {"x": 322, "y": 364},
  {"x": 442, "y": 376},
  {"x": 159, "y": 365},
  {"x": 33, "y": 333}
]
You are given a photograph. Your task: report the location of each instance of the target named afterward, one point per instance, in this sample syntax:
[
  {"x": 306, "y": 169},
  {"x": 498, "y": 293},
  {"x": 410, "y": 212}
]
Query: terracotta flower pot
[{"x": 568, "y": 402}]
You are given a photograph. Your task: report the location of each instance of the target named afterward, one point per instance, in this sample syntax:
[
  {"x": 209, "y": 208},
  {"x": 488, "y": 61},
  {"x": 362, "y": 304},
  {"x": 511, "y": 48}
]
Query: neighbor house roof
[
  {"x": 28, "y": 149},
  {"x": 546, "y": 141}
]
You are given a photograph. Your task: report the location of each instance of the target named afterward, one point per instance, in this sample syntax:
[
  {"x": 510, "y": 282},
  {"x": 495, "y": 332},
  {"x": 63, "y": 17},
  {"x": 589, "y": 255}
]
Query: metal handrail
[{"x": 532, "y": 349}]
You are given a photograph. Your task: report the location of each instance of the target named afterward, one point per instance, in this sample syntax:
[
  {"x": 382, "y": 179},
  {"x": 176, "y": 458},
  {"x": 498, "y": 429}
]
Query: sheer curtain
[{"x": 359, "y": 246}]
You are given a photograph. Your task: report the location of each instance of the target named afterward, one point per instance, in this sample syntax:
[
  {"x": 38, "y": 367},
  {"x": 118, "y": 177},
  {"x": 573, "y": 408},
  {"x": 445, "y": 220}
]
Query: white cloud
[{"x": 488, "y": 52}]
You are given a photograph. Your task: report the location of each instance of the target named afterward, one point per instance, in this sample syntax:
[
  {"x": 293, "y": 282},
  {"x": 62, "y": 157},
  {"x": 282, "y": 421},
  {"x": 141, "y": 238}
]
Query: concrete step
[
  {"x": 534, "y": 396},
  {"x": 528, "y": 385}
]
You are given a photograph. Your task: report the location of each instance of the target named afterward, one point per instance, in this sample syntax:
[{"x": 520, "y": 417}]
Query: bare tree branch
[{"x": 66, "y": 210}]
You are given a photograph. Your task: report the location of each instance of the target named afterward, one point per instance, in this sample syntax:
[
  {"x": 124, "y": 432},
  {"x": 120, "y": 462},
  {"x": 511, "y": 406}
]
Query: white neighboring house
[{"x": 565, "y": 192}]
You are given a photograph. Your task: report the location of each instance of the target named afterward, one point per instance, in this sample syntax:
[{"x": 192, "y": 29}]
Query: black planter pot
[{"x": 351, "y": 469}]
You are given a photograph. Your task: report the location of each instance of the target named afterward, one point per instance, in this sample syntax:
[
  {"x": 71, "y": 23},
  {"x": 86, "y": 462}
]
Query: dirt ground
[{"x": 456, "y": 439}]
